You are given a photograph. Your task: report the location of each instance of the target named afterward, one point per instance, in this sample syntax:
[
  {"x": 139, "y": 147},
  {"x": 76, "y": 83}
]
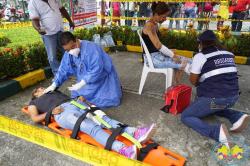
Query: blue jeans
[
  {"x": 129, "y": 14},
  {"x": 161, "y": 61},
  {"x": 176, "y": 14},
  {"x": 203, "y": 107},
  {"x": 71, "y": 113},
  {"x": 52, "y": 45},
  {"x": 189, "y": 13},
  {"x": 237, "y": 25}
]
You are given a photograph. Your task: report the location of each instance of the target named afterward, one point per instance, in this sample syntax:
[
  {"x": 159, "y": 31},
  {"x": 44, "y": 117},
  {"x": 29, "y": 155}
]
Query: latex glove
[
  {"x": 51, "y": 88},
  {"x": 77, "y": 86}
]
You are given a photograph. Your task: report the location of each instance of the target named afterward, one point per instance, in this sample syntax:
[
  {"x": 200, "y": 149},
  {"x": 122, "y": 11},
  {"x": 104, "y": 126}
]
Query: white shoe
[
  {"x": 241, "y": 124},
  {"x": 224, "y": 135}
]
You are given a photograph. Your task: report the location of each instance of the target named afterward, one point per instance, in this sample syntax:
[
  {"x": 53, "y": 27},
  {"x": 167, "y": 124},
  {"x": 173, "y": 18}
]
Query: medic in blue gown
[{"x": 97, "y": 79}]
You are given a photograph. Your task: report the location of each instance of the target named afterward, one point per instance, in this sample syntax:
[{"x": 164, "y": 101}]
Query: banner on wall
[{"x": 83, "y": 11}]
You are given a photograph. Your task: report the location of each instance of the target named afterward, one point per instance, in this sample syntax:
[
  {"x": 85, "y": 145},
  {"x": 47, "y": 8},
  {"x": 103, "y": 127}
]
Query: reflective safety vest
[{"x": 218, "y": 76}]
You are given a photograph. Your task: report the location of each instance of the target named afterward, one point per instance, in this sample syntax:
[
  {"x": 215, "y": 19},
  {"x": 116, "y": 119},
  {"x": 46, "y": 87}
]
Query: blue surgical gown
[{"x": 95, "y": 67}]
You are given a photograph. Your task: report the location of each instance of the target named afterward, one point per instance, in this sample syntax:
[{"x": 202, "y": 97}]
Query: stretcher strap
[
  {"x": 93, "y": 109},
  {"x": 78, "y": 124},
  {"x": 48, "y": 117},
  {"x": 126, "y": 135},
  {"x": 144, "y": 151},
  {"x": 117, "y": 131},
  {"x": 78, "y": 105}
]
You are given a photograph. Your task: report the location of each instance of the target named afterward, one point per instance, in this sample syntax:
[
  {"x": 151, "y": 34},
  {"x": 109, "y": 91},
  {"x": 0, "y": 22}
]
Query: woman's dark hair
[
  {"x": 160, "y": 8},
  {"x": 66, "y": 37},
  {"x": 33, "y": 96}
]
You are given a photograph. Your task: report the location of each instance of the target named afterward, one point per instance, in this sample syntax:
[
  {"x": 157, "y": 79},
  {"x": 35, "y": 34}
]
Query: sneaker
[
  {"x": 128, "y": 151},
  {"x": 142, "y": 134},
  {"x": 241, "y": 124},
  {"x": 224, "y": 135}
]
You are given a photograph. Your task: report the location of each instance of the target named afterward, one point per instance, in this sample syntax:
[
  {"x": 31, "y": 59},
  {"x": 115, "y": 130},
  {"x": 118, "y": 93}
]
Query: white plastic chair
[{"x": 150, "y": 67}]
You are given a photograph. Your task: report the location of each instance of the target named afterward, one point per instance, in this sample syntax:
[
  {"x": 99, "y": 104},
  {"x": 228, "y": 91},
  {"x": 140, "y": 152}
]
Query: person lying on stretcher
[{"x": 66, "y": 114}]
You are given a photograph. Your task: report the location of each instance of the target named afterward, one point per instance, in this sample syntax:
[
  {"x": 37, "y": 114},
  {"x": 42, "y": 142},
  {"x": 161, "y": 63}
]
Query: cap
[{"x": 207, "y": 35}]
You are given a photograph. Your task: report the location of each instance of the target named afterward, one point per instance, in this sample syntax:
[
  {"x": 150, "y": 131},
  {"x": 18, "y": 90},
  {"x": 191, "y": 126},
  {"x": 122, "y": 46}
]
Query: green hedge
[
  {"x": 22, "y": 59},
  {"x": 183, "y": 40},
  {"x": 4, "y": 40}
]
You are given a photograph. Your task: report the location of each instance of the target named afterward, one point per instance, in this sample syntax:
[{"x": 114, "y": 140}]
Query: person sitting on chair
[
  {"x": 162, "y": 57},
  {"x": 66, "y": 114}
]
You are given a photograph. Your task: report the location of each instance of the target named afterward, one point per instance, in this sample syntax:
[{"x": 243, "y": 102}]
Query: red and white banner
[{"x": 83, "y": 11}]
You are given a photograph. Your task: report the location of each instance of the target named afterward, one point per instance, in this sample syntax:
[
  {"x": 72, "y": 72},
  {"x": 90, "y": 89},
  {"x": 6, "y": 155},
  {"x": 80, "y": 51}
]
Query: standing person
[
  {"x": 189, "y": 12},
  {"x": 143, "y": 12},
  {"x": 175, "y": 13},
  {"x": 214, "y": 73},
  {"x": 223, "y": 13},
  {"x": 116, "y": 12},
  {"x": 97, "y": 79},
  {"x": 129, "y": 12},
  {"x": 239, "y": 12},
  {"x": 46, "y": 16},
  {"x": 162, "y": 57},
  {"x": 205, "y": 11}
]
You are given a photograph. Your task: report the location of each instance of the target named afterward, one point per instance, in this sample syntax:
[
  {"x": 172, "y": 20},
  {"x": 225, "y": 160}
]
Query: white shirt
[
  {"x": 198, "y": 61},
  {"x": 49, "y": 15},
  {"x": 130, "y": 6}
]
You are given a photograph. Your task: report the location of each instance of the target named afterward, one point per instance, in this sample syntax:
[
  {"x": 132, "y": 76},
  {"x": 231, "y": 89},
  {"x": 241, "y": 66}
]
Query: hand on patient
[
  {"x": 51, "y": 88},
  {"x": 77, "y": 86},
  {"x": 57, "y": 110}
]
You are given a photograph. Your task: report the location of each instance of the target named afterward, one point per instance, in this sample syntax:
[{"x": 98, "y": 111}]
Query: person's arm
[
  {"x": 64, "y": 71},
  {"x": 37, "y": 26},
  {"x": 35, "y": 18},
  {"x": 34, "y": 115},
  {"x": 149, "y": 30},
  {"x": 248, "y": 5},
  {"x": 196, "y": 67},
  {"x": 65, "y": 14},
  {"x": 194, "y": 79}
]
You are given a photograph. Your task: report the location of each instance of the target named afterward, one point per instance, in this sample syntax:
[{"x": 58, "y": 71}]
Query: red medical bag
[{"x": 177, "y": 98}]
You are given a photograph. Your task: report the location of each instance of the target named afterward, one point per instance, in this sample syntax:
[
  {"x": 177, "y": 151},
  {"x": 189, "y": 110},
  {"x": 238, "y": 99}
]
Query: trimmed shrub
[
  {"x": 12, "y": 63},
  {"x": 36, "y": 56},
  {"x": 3, "y": 40}
]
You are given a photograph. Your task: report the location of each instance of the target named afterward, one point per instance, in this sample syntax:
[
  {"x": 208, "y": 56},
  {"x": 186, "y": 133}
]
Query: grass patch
[{"x": 21, "y": 36}]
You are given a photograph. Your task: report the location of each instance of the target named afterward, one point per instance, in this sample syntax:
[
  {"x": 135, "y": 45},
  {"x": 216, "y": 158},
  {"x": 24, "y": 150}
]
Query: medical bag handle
[{"x": 166, "y": 108}]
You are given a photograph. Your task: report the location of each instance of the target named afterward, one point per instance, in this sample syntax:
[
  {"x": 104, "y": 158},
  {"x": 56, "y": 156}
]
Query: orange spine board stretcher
[{"x": 156, "y": 157}]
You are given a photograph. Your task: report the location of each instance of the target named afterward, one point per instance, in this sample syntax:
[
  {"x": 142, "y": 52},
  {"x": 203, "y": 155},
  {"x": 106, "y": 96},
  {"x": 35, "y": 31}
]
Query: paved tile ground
[{"x": 135, "y": 110}]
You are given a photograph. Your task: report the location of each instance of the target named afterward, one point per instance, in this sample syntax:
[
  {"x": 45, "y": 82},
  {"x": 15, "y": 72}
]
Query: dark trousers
[
  {"x": 203, "y": 107},
  {"x": 129, "y": 14},
  {"x": 237, "y": 25}
]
